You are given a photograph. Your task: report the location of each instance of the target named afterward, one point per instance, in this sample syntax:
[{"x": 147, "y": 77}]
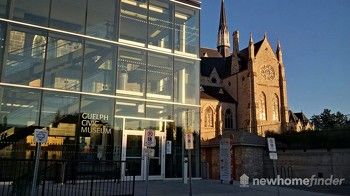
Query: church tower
[{"x": 223, "y": 44}]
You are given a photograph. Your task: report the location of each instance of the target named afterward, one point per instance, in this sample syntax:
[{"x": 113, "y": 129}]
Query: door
[{"x": 134, "y": 155}]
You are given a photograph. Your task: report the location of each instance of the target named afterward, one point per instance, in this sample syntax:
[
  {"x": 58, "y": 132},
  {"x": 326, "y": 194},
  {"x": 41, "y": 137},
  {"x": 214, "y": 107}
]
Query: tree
[{"x": 328, "y": 120}]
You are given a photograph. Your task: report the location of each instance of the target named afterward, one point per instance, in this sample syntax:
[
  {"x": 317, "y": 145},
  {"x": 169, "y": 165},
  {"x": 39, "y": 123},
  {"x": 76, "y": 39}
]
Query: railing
[{"x": 65, "y": 177}]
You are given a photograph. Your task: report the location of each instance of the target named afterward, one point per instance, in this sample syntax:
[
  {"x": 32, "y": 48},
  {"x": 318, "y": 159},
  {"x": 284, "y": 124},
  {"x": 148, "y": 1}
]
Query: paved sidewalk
[{"x": 210, "y": 187}]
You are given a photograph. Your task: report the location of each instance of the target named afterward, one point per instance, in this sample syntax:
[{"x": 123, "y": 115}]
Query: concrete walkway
[{"x": 210, "y": 187}]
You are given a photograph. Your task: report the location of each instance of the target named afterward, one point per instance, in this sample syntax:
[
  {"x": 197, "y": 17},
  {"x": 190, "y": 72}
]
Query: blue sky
[{"x": 315, "y": 39}]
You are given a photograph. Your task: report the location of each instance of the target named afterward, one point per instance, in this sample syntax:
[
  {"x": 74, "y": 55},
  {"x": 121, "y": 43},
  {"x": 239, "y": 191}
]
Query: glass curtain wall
[
  {"x": 25, "y": 56},
  {"x": 186, "y": 29},
  {"x": 3, "y": 5},
  {"x": 85, "y": 89},
  {"x": 32, "y": 11}
]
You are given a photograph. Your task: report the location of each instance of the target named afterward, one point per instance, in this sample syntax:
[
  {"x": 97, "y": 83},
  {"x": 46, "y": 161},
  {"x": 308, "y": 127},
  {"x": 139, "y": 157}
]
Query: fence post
[
  {"x": 92, "y": 180},
  {"x": 36, "y": 168}
]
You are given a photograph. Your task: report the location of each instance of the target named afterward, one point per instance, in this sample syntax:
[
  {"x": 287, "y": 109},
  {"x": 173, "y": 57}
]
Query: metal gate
[{"x": 65, "y": 177}]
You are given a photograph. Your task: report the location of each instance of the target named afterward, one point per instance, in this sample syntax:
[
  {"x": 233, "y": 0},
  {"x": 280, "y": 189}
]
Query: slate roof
[
  {"x": 211, "y": 58},
  {"x": 210, "y": 52},
  {"x": 302, "y": 117},
  {"x": 213, "y": 92}
]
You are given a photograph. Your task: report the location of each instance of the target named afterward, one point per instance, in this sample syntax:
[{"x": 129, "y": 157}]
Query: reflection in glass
[
  {"x": 3, "y": 4},
  {"x": 59, "y": 108},
  {"x": 25, "y": 57},
  {"x": 68, "y": 15},
  {"x": 32, "y": 11},
  {"x": 99, "y": 68},
  {"x": 173, "y": 161},
  {"x": 19, "y": 108},
  {"x": 159, "y": 111},
  {"x": 131, "y": 72},
  {"x": 160, "y": 25},
  {"x": 2, "y": 40},
  {"x": 186, "y": 81},
  {"x": 131, "y": 108},
  {"x": 64, "y": 61},
  {"x": 96, "y": 126},
  {"x": 186, "y": 120},
  {"x": 186, "y": 29},
  {"x": 19, "y": 117},
  {"x": 101, "y": 19},
  {"x": 134, "y": 154},
  {"x": 159, "y": 77},
  {"x": 133, "y": 22},
  {"x": 155, "y": 164}
]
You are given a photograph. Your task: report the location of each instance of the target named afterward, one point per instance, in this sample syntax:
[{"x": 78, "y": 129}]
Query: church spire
[
  {"x": 223, "y": 44},
  {"x": 279, "y": 52}
]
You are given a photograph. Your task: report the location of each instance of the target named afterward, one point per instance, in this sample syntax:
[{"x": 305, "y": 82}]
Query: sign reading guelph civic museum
[{"x": 94, "y": 123}]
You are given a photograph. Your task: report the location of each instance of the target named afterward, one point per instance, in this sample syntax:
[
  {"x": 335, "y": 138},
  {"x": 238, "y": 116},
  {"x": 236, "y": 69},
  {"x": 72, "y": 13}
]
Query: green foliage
[
  {"x": 326, "y": 139},
  {"x": 328, "y": 120}
]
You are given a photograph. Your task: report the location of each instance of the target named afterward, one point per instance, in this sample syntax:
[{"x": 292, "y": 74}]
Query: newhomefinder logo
[{"x": 312, "y": 181}]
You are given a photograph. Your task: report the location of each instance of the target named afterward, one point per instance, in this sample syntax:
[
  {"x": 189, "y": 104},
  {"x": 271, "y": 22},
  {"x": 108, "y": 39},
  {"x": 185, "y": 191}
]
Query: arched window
[
  {"x": 275, "y": 109},
  {"x": 228, "y": 119},
  {"x": 262, "y": 107},
  {"x": 38, "y": 47},
  {"x": 208, "y": 120}
]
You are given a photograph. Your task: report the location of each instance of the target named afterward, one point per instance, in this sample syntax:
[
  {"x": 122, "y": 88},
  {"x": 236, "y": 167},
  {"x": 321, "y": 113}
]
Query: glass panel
[
  {"x": 101, "y": 19},
  {"x": 130, "y": 108},
  {"x": 187, "y": 120},
  {"x": 59, "y": 108},
  {"x": 186, "y": 29},
  {"x": 117, "y": 138},
  {"x": 99, "y": 68},
  {"x": 68, "y": 15},
  {"x": 159, "y": 77},
  {"x": 134, "y": 146},
  {"x": 3, "y": 4},
  {"x": 155, "y": 165},
  {"x": 64, "y": 61},
  {"x": 32, "y": 11},
  {"x": 160, "y": 24},
  {"x": 186, "y": 81},
  {"x": 2, "y": 42},
  {"x": 19, "y": 117},
  {"x": 133, "y": 22},
  {"x": 133, "y": 167},
  {"x": 159, "y": 111},
  {"x": 25, "y": 57},
  {"x": 60, "y": 115},
  {"x": 96, "y": 126},
  {"x": 134, "y": 154},
  {"x": 173, "y": 160},
  {"x": 131, "y": 72}
]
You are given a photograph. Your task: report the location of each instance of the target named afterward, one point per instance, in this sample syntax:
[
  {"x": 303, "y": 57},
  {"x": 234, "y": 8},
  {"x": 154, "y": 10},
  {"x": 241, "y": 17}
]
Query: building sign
[
  {"x": 225, "y": 160},
  {"x": 94, "y": 123},
  {"x": 150, "y": 138},
  {"x": 271, "y": 144},
  {"x": 188, "y": 140},
  {"x": 40, "y": 136}
]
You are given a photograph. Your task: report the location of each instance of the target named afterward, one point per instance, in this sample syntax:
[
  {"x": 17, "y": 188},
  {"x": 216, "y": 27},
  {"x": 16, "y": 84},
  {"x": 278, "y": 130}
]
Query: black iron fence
[{"x": 66, "y": 177}]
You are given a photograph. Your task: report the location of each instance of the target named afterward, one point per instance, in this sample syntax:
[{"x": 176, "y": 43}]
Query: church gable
[
  {"x": 265, "y": 53},
  {"x": 214, "y": 77},
  {"x": 266, "y": 64}
]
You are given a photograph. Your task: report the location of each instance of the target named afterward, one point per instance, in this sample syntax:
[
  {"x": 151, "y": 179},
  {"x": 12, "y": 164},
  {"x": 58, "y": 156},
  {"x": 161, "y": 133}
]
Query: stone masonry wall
[{"x": 319, "y": 162}]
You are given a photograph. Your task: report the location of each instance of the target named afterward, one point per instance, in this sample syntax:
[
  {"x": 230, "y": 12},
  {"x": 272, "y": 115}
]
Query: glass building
[{"x": 96, "y": 74}]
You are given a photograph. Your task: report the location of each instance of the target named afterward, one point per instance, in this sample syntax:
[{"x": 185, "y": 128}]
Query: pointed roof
[
  {"x": 216, "y": 93},
  {"x": 278, "y": 47},
  {"x": 223, "y": 22}
]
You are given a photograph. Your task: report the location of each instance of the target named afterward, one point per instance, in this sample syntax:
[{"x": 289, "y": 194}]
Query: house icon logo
[{"x": 244, "y": 181}]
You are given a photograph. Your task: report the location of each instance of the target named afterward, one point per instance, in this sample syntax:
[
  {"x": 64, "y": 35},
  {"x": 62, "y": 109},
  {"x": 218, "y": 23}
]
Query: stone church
[
  {"x": 242, "y": 89},
  {"x": 243, "y": 96}
]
